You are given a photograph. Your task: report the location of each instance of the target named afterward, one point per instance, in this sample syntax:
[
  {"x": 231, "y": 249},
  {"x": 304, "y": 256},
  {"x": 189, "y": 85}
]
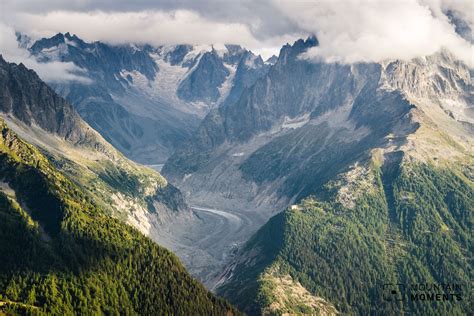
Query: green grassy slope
[
  {"x": 412, "y": 225},
  {"x": 61, "y": 253}
]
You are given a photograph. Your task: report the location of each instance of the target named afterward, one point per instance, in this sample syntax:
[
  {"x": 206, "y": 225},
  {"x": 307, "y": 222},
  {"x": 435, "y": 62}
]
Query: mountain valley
[
  {"x": 308, "y": 138},
  {"x": 287, "y": 186}
]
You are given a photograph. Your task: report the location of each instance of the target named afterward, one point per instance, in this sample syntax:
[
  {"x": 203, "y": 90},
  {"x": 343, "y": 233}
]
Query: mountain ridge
[
  {"x": 148, "y": 99},
  {"x": 135, "y": 194},
  {"x": 62, "y": 253}
]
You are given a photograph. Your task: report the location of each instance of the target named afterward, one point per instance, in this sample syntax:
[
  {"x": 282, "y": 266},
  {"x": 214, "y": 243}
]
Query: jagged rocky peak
[
  {"x": 73, "y": 38},
  {"x": 56, "y": 40},
  {"x": 209, "y": 66},
  {"x": 146, "y": 100},
  {"x": 217, "y": 74},
  {"x": 295, "y": 87},
  {"x": 46, "y": 43},
  {"x": 233, "y": 53},
  {"x": 290, "y": 52},
  {"x": 28, "y": 99},
  {"x": 251, "y": 60},
  {"x": 24, "y": 41},
  {"x": 299, "y": 86},
  {"x": 438, "y": 78},
  {"x": 248, "y": 70},
  {"x": 204, "y": 82},
  {"x": 271, "y": 60},
  {"x": 430, "y": 76},
  {"x": 176, "y": 55},
  {"x": 187, "y": 55},
  {"x": 100, "y": 60}
]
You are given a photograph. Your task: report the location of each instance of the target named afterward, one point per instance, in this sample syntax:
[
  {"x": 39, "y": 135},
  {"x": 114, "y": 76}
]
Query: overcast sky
[{"x": 348, "y": 30}]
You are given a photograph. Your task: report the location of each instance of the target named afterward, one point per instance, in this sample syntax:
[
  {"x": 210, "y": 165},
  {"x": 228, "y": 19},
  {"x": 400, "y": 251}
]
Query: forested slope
[
  {"x": 409, "y": 223},
  {"x": 62, "y": 254}
]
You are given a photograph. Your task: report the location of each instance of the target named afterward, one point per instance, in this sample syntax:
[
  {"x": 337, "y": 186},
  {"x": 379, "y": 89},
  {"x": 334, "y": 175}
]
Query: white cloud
[
  {"x": 371, "y": 31},
  {"x": 51, "y": 72},
  {"x": 462, "y": 7},
  {"x": 348, "y": 30},
  {"x": 140, "y": 27},
  {"x": 152, "y": 27}
]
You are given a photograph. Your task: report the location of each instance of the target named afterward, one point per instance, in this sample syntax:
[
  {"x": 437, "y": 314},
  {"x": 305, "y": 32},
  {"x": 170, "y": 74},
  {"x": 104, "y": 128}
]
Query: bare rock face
[
  {"x": 202, "y": 84},
  {"x": 30, "y": 100}
]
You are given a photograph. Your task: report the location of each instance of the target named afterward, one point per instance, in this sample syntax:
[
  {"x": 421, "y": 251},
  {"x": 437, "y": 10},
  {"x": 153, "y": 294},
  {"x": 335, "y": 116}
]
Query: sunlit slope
[{"x": 62, "y": 253}]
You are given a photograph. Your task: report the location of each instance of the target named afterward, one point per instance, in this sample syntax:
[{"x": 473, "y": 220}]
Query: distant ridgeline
[{"x": 147, "y": 100}]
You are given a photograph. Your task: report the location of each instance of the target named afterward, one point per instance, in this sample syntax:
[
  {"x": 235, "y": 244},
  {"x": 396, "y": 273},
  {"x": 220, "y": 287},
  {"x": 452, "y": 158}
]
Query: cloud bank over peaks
[
  {"x": 372, "y": 31},
  {"x": 348, "y": 30},
  {"x": 155, "y": 27},
  {"x": 54, "y": 71}
]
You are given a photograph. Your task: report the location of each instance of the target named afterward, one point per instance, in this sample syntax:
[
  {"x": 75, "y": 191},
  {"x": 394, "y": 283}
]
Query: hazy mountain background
[{"x": 147, "y": 100}]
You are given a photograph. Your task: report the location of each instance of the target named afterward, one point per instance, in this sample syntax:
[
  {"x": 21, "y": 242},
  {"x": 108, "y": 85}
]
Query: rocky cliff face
[
  {"x": 203, "y": 83},
  {"x": 38, "y": 104},
  {"x": 146, "y": 100}
]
